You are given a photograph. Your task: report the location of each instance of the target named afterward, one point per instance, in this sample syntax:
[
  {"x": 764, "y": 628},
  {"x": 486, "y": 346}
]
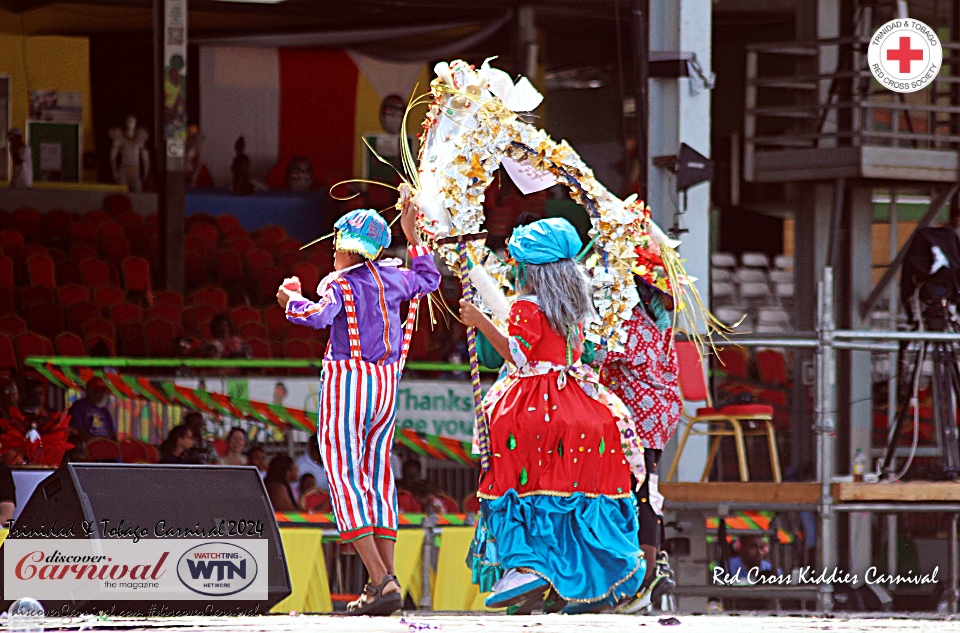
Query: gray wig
[{"x": 562, "y": 293}]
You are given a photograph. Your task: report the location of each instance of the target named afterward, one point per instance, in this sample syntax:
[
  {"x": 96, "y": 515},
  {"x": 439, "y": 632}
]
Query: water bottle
[
  {"x": 859, "y": 465},
  {"x": 25, "y": 616}
]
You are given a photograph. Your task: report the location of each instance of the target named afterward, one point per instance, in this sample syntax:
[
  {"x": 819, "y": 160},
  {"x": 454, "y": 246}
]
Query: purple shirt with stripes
[{"x": 378, "y": 290}]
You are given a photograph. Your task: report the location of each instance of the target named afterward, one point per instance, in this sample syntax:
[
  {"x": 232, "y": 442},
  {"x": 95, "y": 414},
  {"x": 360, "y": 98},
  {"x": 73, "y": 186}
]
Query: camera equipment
[{"x": 930, "y": 293}]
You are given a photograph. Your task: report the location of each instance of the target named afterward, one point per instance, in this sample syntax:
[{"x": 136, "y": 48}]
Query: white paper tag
[{"x": 527, "y": 178}]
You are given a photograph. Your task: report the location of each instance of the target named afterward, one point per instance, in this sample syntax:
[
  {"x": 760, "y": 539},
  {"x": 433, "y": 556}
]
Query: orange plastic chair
[{"x": 735, "y": 420}]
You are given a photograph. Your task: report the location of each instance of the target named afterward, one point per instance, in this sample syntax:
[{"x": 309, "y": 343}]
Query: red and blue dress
[{"x": 556, "y": 498}]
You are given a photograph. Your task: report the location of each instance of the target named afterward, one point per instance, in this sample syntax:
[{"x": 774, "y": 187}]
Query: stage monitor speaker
[{"x": 144, "y": 495}]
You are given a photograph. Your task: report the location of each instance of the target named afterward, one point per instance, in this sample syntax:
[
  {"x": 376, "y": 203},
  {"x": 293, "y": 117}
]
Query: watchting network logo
[{"x": 905, "y": 55}]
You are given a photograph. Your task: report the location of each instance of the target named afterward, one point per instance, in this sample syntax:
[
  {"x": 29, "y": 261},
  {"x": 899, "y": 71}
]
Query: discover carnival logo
[
  {"x": 217, "y": 569},
  {"x": 905, "y": 55},
  {"x": 121, "y": 569}
]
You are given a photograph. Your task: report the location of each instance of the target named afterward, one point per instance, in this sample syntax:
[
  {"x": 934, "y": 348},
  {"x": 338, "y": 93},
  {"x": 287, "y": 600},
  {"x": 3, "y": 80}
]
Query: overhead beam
[{"x": 936, "y": 206}]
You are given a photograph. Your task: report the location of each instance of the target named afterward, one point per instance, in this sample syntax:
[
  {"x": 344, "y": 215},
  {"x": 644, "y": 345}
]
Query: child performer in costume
[
  {"x": 556, "y": 506},
  {"x": 360, "y": 302},
  {"x": 645, "y": 375}
]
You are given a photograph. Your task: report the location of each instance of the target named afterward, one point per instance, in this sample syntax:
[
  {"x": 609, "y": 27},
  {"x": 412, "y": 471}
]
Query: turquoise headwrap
[
  {"x": 362, "y": 231},
  {"x": 544, "y": 241}
]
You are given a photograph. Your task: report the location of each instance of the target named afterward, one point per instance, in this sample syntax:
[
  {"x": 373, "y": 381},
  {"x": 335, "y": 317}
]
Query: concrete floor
[{"x": 484, "y": 623}]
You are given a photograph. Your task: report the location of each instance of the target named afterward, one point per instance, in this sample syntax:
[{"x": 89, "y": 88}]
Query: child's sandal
[{"x": 377, "y": 603}]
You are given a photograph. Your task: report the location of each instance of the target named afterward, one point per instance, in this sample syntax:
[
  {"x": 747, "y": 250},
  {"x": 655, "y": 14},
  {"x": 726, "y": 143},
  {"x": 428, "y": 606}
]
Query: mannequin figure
[{"x": 129, "y": 157}]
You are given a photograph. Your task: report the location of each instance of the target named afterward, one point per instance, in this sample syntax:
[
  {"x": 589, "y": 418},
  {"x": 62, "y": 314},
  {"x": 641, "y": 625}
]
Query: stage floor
[{"x": 485, "y": 623}]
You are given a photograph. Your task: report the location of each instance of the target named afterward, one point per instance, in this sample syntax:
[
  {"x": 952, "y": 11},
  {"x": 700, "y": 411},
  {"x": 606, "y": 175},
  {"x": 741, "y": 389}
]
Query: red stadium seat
[
  {"x": 309, "y": 278},
  {"x": 471, "y": 504},
  {"x": 80, "y": 313},
  {"x": 130, "y": 222},
  {"x": 56, "y": 222},
  {"x": 315, "y": 500},
  {"x": 72, "y": 293},
  {"x": 230, "y": 267},
  {"x": 258, "y": 347},
  {"x": 268, "y": 279},
  {"x": 32, "y": 295},
  {"x": 164, "y": 313},
  {"x": 269, "y": 236},
  {"x": 101, "y": 449},
  {"x": 100, "y": 346},
  {"x": 68, "y": 272},
  {"x": 12, "y": 326},
  {"x": 253, "y": 330},
  {"x": 132, "y": 451},
  {"x": 6, "y": 272},
  {"x": 81, "y": 252},
  {"x": 131, "y": 339},
  {"x": 207, "y": 233},
  {"x": 84, "y": 232},
  {"x": 11, "y": 241},
  {"x": 241, "y": 315},
  {"x": 136, "y": 274},
  {"x": 118, "y": 204},
  {"x": 108, "y": 296},
  {"x": 32, "y": 344},
  {"x": 196, "y": 320},
  {"x": 195, "y": 268},
  {"x": 126, "y": 312},
  {"x": 99, "y": 327},
  {"x": 210, "y": 296},
  {"x": 69, "y": 344},
  {"x": 227, "y": 223},
  {"x": 276, "y": 322},
  {"x": 116, "y": 250},
  {"x": 158, "y": 336},
  {"x": 8, "y": 355},
  {"x": 254, "y": 260},
  {"x": 29, "y": 222},
  {"x": 109, "y": 231},
  {"x": 288, "y": 245},
  {"x": 97, "y": 217},
  {"x": 42, "y": 271},
  {"x": 46, "y": 319},
  {"x": 168, "y": 297},
  {"x": 297, "y": 349},
  {"x": 95, "y": 273},
  {"x": 286, "y": 261}
]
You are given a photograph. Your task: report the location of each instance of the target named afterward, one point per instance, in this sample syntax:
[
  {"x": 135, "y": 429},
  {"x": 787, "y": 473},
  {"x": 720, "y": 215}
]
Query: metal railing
[{"x": 793, "y": 103}]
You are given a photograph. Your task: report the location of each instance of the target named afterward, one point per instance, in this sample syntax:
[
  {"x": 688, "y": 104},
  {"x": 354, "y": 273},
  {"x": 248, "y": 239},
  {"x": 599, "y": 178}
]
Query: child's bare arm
[{"x": 471, "y": 316}]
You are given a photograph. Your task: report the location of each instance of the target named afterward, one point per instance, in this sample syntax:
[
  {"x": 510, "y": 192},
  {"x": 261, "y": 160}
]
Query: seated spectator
[
  {"x": 8, "y": 496},
  {"x": 307, "y": 483},
  {"x": 32, "y": 405},
  {"x": 427, "y": 494},
  {"x": 236, "y": 445},
  {"x": 281, "y": 472},
  {"x": 202, "y": 451},
  {"x": 257, "y": 457},
  {"x": 310, "y": 462},
  {"x": 89, "y": 417},
  {"x": 223, "y": 343},
  {"x": 752, "y": 560},
  {"x": 176, "y": 448}
]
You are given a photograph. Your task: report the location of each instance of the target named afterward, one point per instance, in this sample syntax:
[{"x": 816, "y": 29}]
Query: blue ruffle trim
[{"x": 586, "y": 547}]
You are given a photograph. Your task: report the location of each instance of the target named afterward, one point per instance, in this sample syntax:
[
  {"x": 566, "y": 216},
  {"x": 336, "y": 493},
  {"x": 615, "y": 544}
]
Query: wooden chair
[{"x": 735, "y": 420}]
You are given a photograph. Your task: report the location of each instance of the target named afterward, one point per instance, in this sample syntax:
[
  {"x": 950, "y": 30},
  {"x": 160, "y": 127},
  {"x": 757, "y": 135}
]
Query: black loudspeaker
[{"x": 78, "y": 498}]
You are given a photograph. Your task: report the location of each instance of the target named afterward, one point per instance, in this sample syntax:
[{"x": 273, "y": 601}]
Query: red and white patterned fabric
[
  {"x": 646, "y": 377},
  {"x": 358, "y": 408}
]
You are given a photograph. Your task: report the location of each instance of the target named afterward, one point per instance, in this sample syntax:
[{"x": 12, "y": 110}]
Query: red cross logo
[{"x": 905, "y": 55}]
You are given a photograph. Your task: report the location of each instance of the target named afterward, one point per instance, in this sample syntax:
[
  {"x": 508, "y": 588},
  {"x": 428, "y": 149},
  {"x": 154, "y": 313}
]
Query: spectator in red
[
  {"x": 8, "y": 496},
  {"x": 280, "y": 474},
  {"x": 176, "y": 448},
  {"x": 223, "y": 343},
  {"x": 89, "y": 417}
]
